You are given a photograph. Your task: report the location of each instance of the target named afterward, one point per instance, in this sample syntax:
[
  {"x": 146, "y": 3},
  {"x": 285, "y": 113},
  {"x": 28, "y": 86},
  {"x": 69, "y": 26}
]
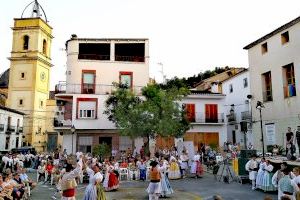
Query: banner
[{"x": 270, "y": 134}]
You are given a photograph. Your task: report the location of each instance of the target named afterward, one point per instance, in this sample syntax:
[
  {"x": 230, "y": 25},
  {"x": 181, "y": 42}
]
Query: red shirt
[{"x": 49, "y": 168}]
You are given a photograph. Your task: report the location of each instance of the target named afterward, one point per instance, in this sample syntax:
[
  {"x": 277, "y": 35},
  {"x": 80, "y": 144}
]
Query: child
[{"x": 142, "y": 168}]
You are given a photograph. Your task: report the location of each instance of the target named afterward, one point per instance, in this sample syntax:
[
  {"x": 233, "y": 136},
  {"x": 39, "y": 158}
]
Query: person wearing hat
[
  {"x": 252, "y": 167},
  {"x": 68, "y": 182},
  {"x": 154, "y": 188}
]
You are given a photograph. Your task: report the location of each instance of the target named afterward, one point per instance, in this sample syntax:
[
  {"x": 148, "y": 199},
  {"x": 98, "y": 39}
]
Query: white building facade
[
  {"x": 11, "y": 128},
  {"x": 205, "y": 111},
  {"x": 93, "y": 65},
  {"x": 274, "y": 65},
  {"x": 238, "y": 108}
]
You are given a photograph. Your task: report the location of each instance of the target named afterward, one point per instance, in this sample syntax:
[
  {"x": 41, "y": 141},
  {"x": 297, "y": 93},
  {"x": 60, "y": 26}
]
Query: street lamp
[
  {"x": 73, "y": 129},
  {"x": 260, "y": 106}
]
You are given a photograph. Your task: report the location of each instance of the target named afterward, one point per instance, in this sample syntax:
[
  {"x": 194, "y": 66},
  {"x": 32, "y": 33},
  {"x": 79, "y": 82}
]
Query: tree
[
  {"x": 102, "y": 150},
  {"x": 156, "y": 112}
]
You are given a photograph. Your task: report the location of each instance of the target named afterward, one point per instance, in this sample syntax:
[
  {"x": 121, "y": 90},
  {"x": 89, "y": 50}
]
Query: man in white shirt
[{"x": 25, "y": 179}]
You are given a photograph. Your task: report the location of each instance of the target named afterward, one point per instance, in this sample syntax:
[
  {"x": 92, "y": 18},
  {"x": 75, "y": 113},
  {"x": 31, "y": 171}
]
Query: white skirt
[{"x": 154, "y": 188}]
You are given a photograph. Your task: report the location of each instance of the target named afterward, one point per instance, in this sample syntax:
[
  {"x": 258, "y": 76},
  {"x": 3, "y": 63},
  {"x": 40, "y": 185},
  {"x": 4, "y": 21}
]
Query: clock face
[{"x": 43, "y": 76}]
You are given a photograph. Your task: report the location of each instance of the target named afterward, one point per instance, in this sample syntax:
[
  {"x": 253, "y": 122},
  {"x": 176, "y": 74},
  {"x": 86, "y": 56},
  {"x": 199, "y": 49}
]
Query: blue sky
[{"x": 187, "y": 36}]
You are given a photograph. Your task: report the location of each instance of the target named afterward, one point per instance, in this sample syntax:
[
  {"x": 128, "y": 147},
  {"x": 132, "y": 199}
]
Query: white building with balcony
[
  {"x": 11, "y": 128},
  {"x": 274, "y": 65},
  {"x": 93, "y": 65},
  {"x": 205, "y": 111},
  {"x": 238, "y": 108}
]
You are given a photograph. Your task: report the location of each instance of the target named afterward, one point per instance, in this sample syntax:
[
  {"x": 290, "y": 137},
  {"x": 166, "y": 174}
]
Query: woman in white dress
[
  {"x": 94, "y": 190},
  {"x": 260, "y": 173},
  {"x": 166, "y": 188},
  {"x": 197, "y": 168},
  {"x": 267, "y": 178}
]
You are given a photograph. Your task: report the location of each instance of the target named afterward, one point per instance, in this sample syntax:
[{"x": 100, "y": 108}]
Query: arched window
[
  {"x": 26, "y": 42},
  {"x": 44, "y": 47}
]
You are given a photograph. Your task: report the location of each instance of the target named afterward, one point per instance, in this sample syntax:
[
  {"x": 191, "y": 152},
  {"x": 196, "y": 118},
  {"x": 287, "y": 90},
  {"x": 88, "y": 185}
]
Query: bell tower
[{"x": 30, "y": 65}]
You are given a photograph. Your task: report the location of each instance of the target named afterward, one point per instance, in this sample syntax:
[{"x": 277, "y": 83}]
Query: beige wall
[{"x": 282, "y": 111}]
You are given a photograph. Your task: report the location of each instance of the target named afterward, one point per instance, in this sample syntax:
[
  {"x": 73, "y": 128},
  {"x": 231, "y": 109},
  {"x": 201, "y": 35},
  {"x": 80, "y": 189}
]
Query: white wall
[
  {"x": 200, "y": 100},
  {"x": 4, "y": 120},
  {"x": 106, "y": 71},
  {"x": 282, "y": 111},
  {"x": 238, "y": 97},
  {"x": 67, "y": 143}
]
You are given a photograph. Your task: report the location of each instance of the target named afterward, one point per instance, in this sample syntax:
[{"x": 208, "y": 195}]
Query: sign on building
[{"x": 270, "y": 134}]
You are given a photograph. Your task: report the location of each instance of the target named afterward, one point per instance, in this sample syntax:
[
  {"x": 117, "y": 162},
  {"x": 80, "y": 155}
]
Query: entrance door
[
  {"x": 233, "y": 137},
  {"x": 106, "y": 140},
  {"x": 52, "y": 142}
]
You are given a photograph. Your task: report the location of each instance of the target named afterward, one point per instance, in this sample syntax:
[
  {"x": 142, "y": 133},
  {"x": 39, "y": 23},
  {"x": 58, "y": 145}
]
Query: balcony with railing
[
  {"x": 246, "y": 116},
  {"x": 231, "y": 118},
  {"x": 130, "y": 58},
  {"x": 93, "y": 57},
  {"x": 62, "y": 124},
  {"x": 289, "y": 90},
  {"x": 101, "y": 89},
  {"x": 203, "y": 118}
]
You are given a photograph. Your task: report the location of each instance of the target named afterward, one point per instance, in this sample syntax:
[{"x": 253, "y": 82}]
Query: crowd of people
[{"x": 284, "y": 180}]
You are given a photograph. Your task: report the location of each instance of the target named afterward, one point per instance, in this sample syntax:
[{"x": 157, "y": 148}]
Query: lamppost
[
  {"x": 260, "y": 106},
  {"x": 73, "y": 129}
]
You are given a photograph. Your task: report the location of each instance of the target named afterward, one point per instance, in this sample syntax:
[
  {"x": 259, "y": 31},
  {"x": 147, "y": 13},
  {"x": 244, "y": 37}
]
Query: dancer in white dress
[{"x": 94, "y": 190}]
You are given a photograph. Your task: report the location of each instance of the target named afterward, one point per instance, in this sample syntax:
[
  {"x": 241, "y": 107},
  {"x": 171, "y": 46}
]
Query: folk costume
[
  {"x": 252, "y": 167},
  {"x": 174, "y": 171},
  {"x": 267, "y": 178},
  {"x": 166, "y": 188},
  {"x": 68, "y": 182},
  {"x": 154, "y": 188},
  {"x": 197, "y": 168},
  {"x": 260, "y": 174},
  {"x": 94, "y": 190},
  {"x": 111, "y": 181}
]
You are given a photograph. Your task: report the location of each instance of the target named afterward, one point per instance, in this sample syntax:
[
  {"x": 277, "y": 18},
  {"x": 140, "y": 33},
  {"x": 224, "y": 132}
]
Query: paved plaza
[{"x": 189, "y": 188}]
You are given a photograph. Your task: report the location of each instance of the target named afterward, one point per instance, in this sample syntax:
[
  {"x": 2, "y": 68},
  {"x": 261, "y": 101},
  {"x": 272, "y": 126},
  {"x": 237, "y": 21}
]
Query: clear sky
[{"x": 187, "y": 36}]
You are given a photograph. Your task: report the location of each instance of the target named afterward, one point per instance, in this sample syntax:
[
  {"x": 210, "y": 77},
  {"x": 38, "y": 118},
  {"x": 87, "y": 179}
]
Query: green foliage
[
  {"x": 190, "y": 82},
  {"x": 156, "y": 112},
  {"x": 102, "y": 150}
]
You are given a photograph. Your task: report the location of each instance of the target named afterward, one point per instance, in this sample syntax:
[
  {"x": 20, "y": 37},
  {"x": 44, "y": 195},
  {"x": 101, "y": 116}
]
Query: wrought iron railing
[{"x": 91, "y": 89}]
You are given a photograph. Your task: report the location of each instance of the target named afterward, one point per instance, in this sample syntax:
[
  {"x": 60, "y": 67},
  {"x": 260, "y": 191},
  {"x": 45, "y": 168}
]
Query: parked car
[{"x": 24, "y": 150}]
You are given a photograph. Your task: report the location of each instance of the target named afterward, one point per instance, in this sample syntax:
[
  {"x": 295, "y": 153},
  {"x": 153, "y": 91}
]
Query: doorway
[
  {"x": 106, "y": 140},
  {"x": 233, "y": 137}
]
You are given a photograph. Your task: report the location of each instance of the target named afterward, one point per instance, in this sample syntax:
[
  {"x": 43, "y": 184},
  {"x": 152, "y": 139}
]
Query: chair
[{"x": 123, "y": 174}]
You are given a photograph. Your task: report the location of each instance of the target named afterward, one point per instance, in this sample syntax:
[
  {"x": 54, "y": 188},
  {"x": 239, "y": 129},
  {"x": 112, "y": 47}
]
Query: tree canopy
[
  {"x": 190, "y": 82},
  {"x": 156, "y": 112}
]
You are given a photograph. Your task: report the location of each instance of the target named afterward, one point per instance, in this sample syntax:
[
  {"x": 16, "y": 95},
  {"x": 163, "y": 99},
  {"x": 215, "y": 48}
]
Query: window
[
  {"x": 264, "y": 48},
  {"x": 289, "y": 86},
  {"x": 22, "y": 75},
  {"x": 39, "y": 130},
  {"x": 245, "y": 82},
  {"x": 7, "y": 141},
  {"x": 267, "y": 87},
  {"x": 25, "y": 42},
  {"x": 285, "y": 38},
  {"x": 190, "y": 112},
  {"x": 17, "y": 142},
  {"x": 230, "y": 88},
  {"x": 85, "y": 144},
  {"x": 87, "y": 108},
  {"x": 94, "y": 51},
  {"x": 211, "y": 113},
  {"x": 21, "y": 102},
  {"x": 126, "y": 79},
  {"x": 44, "y": 47},
  {"x": 88, "y": 82},
  {"x": 130, "y": 52}
]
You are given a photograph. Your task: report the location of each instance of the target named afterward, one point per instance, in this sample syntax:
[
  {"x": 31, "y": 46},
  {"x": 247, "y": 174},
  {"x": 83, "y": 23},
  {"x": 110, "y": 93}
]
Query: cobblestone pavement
[{"x": 189, "y": 189}]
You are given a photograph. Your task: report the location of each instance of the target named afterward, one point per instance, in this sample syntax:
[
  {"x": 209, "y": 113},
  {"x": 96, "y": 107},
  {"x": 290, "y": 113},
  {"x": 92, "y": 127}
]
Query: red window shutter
[
  {"x": 211, "y": 112},
  {"x": 190, "y": 110}
]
